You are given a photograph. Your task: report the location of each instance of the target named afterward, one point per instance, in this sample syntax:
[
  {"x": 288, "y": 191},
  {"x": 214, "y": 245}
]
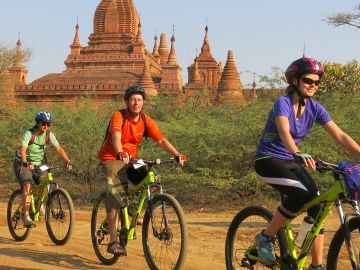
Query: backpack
[
  {"x": 32, "y": 139},
  {"x": 351, "y": 174},
  {"x": 124, "y": 115}
]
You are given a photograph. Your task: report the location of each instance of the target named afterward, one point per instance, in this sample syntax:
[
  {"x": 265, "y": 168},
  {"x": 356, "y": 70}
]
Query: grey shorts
[
  {"x": 117, "y": 184},
  {"x": 26, "y": 176}
]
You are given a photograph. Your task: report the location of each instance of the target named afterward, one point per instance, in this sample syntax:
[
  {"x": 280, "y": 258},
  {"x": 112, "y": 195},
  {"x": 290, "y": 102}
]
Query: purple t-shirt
[{"x": 270, "y": 143}]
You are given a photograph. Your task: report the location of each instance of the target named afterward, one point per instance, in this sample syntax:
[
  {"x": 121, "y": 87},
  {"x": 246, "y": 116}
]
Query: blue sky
[{"x": 262, "y": 33}]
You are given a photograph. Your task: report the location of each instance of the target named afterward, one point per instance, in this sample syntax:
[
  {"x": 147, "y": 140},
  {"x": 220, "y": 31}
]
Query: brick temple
[{"x": 116, "y": 58}]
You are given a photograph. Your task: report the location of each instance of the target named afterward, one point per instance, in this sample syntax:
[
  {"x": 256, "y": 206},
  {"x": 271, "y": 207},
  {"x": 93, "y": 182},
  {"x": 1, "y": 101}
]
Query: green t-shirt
[{"x": 35, "y": 152}]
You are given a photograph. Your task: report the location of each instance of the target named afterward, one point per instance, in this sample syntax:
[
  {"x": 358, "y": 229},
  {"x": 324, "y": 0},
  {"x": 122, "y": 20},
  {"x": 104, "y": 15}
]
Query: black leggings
[{"x": 292, "y": 181}]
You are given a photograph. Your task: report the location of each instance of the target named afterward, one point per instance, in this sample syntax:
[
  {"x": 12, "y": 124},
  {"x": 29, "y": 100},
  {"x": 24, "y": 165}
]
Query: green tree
[{"x": 342, "y": 79}]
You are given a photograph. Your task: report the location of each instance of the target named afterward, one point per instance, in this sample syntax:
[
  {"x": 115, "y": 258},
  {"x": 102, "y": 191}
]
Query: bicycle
[
  {"x": 343, "y": 254},
  {"x": 59, "y": 210},
  {"x": 164, "y": 230}
]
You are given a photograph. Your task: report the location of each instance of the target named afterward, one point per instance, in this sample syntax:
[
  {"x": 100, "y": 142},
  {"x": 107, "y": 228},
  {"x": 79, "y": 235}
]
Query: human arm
[
  {"x": 167, "y": 146},
  {"x": 64, "y": 156},
  {"x": 283, "y": 126},
  {"x": 341, "y": 137},
  {"x": 23, "y": 158},
  {"x": 121, "y": 155}
]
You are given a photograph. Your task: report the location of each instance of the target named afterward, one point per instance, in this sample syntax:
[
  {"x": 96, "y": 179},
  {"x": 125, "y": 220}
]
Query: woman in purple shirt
[{"x": 288, "y": 123}]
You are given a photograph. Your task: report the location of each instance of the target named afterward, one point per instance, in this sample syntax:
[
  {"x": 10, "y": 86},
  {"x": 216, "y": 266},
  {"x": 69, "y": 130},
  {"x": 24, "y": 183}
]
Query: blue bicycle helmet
[
  {"x": 134, "y": 90},
  {"x": 44, "y": 117}
]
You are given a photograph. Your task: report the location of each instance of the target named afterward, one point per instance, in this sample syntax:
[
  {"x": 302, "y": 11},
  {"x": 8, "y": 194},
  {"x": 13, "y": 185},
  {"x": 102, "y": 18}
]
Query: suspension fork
[{"x": 346, "y": 232}]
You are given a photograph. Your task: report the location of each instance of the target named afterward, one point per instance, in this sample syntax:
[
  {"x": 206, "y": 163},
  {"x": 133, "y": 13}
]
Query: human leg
[
  {"x": 113, "y": 202},
  {"x": 279, "y": 174},
  {"x": 25, "y": 178}
]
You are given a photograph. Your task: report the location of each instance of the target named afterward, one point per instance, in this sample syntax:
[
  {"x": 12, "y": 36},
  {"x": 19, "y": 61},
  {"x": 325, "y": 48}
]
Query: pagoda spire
[
  {"x": 172, "y": 54},
  {"x": 163, "y": 49},
  {"x": 18, "y": 56},
  {"x": 75, "y": 46},
  {"x": 205, "y": 49},
  {"x": 196, "y": 78},
  {"x": 146, "y": 81},
  {"x": 156, "y": 47}
]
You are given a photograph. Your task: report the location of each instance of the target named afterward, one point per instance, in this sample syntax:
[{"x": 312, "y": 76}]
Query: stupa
[{"x": 230, "y": 86}]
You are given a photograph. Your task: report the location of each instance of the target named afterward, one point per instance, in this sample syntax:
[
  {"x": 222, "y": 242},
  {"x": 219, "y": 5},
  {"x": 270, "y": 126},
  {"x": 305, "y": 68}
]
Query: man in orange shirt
[{"x": 124, "y": 137}]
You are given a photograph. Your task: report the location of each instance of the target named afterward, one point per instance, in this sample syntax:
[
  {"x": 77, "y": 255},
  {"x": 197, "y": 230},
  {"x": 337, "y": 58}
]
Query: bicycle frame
[
  {"x": 144, "y": 188},
  {"x": 328, "y": 199},
  {"x": 44, "y": 186}
]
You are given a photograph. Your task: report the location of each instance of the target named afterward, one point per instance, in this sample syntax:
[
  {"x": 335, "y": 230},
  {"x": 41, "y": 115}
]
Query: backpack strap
[
  {"x": 32, "y": 139},
  {"x": 143, "y": 118}
]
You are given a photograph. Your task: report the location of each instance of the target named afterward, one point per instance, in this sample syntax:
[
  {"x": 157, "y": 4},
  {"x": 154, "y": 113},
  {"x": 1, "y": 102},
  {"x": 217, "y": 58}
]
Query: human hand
[
  {"x": 123, "y": 156},
  {"x": 69, "y": 165},
  {"x": 306, "y": 158},
  {"x": 181, "y": 158}
]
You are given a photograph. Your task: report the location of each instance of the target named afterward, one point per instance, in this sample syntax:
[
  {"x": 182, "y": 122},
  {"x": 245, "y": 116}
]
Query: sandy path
[
  {"x": 206, "y": 246},
  {"x": 207, "y": 234}
]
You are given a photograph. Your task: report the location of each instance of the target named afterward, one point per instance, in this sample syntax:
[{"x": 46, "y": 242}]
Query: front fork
[{"x": 346, "y": 230}]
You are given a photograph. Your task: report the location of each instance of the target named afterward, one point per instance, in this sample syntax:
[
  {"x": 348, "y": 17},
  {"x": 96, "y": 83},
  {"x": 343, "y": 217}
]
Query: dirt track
[
  {"x": 207, "y": 234},
  {"x": 206, "y": 246}
]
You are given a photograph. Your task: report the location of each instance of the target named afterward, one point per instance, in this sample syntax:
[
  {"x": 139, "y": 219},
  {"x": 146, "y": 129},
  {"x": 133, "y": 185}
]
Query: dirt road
[
  {"x": 207, "y": 234},
  {"x": 206, "y": 246}
]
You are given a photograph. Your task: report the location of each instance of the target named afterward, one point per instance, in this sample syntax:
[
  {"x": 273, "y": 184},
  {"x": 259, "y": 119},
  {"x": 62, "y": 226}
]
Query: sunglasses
[
  {"x": 45, "y": 124},
  {"x": 310, "y": 81}
]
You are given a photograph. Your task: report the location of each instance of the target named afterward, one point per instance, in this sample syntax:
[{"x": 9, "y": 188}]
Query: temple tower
[
  {"x": 114, "y": 59},
  {"x": 207, "y": 66},
  {"x": 230, "y": 86},
  {"x": 18, "y": 72},
  {"x": 171, "y": 83}
]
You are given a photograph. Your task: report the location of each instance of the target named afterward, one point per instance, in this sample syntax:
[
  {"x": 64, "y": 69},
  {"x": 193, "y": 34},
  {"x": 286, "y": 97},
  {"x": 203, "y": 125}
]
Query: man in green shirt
[{"x": 30, "y": 156}]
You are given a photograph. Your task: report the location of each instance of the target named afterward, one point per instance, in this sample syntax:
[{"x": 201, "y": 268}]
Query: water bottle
[{"x": 304, "y": 230}]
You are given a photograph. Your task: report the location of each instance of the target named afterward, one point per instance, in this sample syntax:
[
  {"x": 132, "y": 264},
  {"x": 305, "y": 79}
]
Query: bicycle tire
[
  {"x": 59, "y": 220},
  {"x": 14, "y": 216},
  {"x": 166, "y": 237},
  {"x": 338, "y": 257},
  {"x": 100, "y": 238},
  {"x": 253, "y": 219}
]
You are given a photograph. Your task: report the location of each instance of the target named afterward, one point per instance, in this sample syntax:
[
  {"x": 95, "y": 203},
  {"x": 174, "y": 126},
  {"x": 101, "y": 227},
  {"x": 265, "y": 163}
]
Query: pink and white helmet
[{"x": 302, "y": 66}]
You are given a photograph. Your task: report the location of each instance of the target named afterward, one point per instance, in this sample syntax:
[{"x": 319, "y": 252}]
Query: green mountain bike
[
  {"x": 59, "y": 210},
  {"x": 344, "y": 250},
  {"x": 164, "y": 230}
]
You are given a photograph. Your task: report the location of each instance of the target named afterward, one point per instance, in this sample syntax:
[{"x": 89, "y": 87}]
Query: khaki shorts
[
  {"x": 117, "y": 184},
  {"x": 26, "y": 176}
]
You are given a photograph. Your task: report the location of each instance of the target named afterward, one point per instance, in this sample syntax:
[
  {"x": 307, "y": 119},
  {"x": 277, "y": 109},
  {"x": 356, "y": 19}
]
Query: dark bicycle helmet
[
  {"x": 44, "y": 117},
  {"x": 134, "y": 90},
  {"x": 302, "y": 66},
  {"x": 136, "y": 175}
]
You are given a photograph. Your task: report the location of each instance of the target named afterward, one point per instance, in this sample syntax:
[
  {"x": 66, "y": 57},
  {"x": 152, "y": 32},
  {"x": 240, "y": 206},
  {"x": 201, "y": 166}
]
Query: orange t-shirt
[{"x": 131, "y": 135}]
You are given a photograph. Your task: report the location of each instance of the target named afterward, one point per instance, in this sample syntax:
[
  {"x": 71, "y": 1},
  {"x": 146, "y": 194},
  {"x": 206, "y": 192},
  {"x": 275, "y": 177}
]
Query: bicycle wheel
[
  {"x": 240, "y": 236},
  {"x": 338, "y": 256},
  {"x": 164, "y": 233},
  {"x": 59, "y": 216},
  {"x": 100, "y": 236},
  {"x": 15, "y": 217}
]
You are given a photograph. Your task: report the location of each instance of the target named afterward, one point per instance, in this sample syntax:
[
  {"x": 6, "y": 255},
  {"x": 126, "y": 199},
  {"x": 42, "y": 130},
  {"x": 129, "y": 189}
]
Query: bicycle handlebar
[
  {"x": 157, "y": 161},
  {"x": 323, "y": 166}
]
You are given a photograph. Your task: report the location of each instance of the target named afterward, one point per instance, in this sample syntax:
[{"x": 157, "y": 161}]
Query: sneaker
[
  {"x": 265, "y": 248},
  {"x": 28, "y": 222},
  {"x": 319, "y": 267}
]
